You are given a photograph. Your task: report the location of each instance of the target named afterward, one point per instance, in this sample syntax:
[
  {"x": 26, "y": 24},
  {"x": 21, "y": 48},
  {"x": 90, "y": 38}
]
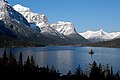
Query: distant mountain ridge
[{"x": 99, "y": 36}]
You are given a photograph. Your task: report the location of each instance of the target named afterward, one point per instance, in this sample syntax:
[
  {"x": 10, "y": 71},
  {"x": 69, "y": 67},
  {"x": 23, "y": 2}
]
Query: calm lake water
[{"x": 65, "y": 58}]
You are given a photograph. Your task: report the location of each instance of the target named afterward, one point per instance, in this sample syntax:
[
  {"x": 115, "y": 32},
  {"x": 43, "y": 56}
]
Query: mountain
[
  {"x": 20, "y": 26},
  {"x": 63, "y": 32},
  {"x": 68, "y": 29},
  {"x": 12, "y": 19},
  {"x": 65, "y": 28},
  {"x": 98, "y": 36},
  {"x": 14, "y": 25},
  {"x": 39, "y": 22},
  {"x": 115, "y": 35}
]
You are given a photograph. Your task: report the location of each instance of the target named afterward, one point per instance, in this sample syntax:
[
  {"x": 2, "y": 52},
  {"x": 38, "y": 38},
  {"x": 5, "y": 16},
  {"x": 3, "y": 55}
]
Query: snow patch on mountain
[
  {"x": 20, "y": 8},
  {"x": 29, "y": 15},
  {"x": 115, "y": 35}
]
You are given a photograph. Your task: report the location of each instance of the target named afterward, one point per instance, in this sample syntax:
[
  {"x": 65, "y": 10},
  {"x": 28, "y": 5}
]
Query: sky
[{"x": 85, "y": 14}]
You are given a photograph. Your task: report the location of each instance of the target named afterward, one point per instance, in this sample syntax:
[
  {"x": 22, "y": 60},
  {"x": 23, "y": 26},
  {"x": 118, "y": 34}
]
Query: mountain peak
[
  {"x": 29, "y": 15},
  {"x": 21, "y": 8},
  {"x": 8, "y": 13},
  {"x": 97, "y": 36},
  {"x": 65, "y": 28},
  {"x": 101, "y": 30}
]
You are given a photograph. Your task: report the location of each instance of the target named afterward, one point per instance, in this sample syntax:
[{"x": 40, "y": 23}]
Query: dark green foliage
[
  {"x": 96, "y": 72},
  {"x": 6, "y": 41}
]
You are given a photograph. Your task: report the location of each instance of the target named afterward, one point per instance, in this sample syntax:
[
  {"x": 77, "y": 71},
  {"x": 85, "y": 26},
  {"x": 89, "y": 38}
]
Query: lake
[{"x": 65, "y": 58}]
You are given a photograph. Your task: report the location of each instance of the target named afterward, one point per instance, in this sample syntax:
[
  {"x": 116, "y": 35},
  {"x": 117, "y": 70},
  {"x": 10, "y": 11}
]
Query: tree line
[
  {"x": 12, "y": 69},
  {"x": 6, "y": 41}
]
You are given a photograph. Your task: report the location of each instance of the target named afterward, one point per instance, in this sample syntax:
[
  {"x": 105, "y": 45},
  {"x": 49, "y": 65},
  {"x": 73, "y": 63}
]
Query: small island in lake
[{"x": 91, "y": 52}]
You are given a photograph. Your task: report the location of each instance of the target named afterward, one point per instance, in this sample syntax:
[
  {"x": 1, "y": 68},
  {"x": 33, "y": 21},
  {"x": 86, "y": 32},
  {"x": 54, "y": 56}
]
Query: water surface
[{"x": 65, "y": 58}]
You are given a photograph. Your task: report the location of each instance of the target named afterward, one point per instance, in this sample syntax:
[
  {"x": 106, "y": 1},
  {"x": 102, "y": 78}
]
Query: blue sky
[{"x": 85, "y": 14}]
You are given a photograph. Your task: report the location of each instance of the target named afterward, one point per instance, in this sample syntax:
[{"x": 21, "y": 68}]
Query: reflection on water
[
  {"x": 65, "y": 58},
  {"x": 41, "y": 58}
]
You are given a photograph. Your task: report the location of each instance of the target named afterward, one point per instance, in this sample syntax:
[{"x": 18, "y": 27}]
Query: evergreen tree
[
  {"x": 11, "y": 57},
  {"x": 20, "y": 60},
  {"x": 107, "y": 71},
  {"x": 28, "y": 62},
  {"x": 95, "y": 72},
  {"x": 5, "y": 59},
  {"x": 117, "y": 77},
  {"x": 78, "y": 71},
  {"x": 69, "y": 73},
  {"x": 111, "y": 71},
  {"x": 32, "y": 61},
  {"x": 14, "y": 60},
  {"x": 100, "y": 67},
  {"x": 27, "y": 67}
]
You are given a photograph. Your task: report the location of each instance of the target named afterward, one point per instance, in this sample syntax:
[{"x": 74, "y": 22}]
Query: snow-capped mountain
[
  {"x": 14, "y": 25},
  {"x": 68, "y": 29},
  {"x": 13, "y": 20},
  {"x": 29, "y": 15},
  {"x": 7, "y": 12},
  {"x": 21, "y": 24},
  {"x": 65, "y": 28},
  {"x": 40, "y": 20},
  {"x": 115, "y": 35},
  {"x": 98, "y": 36}
]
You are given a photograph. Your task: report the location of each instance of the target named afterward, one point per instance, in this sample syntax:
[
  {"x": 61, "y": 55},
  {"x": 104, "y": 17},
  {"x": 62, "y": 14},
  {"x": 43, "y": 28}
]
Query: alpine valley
[{"x": 19, "y": 26}]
